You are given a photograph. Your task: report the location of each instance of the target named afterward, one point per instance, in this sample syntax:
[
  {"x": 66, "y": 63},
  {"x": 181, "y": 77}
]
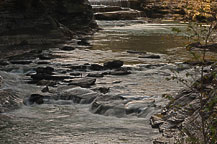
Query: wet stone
[
  {"x": 34, "y": 98},
  {"x": 46, "y": 83},
  {"x": 136, "y": 52},
  {"x": 96, "y": 67},
  {"x": 44, "y": 76},
  {"x": 4, "y": 63},
  {"x": 22, "y": 62},
  {"x": 95, "y": 75},
  {"x": 45, "y": 57},
  {"x": 76, "y": 74},
  {"x": 67, "y": 48},
  {"x": 150, "y": 56},
  {"x": 115, "y": 64},
  {"x": 83, "y": 42},
  {"x": 78, "y": 95},
  {"x": 103, "y": 90},
  {"x": 83, "y": 82},
  {"x": 120, "y": 72},
  {"x": 45, "y": 70}
]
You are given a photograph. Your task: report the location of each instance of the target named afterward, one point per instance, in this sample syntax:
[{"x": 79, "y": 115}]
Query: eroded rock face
[{"x": 44, "y": 22}]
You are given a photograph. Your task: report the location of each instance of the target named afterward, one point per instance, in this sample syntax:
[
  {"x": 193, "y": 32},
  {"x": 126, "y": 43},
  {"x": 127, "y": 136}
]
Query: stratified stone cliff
[{"x": 43, "y": 21}]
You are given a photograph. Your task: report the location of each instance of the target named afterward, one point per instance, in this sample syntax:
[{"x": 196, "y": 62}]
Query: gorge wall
[{"x": 44, "y": 22}]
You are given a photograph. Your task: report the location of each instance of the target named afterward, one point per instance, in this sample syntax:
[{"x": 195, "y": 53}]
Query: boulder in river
[
  {"x": 78, "y": 95},
  {"x": 83, "y": 82},
  {"x": 23, "y": 62},
  {"x": 34, "y": 98},
  {"x": 120, "y": 72},
  {"x": 115, "y": 64},
  {"x": 151, "y": 56},
  {"x": 67, "y": 48},
  {"x": 45, "y": 70},
  {"x": 96, "y": 67}
]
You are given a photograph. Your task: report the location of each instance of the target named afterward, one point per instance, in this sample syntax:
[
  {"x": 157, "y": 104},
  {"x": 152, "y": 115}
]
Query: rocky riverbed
[
  {"x": 77, "y": 93},
  {"x": 100, "y": 88}
]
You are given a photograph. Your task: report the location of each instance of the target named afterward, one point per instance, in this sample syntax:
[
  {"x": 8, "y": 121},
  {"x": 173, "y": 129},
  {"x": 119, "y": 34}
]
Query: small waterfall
[{"x": 121, "y": 3}]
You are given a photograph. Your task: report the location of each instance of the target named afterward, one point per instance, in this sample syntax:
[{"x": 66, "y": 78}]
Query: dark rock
[
  {"x": 120, "y": 72},
  {"x": 78, "y": 95},
  {"x": 24, "y": 62},
  {"x": 103, "y": 90},
  {"x": 46, "y": 83},
  {"x": 109, "y": 105},
  {"x": 44, "y": 70},
  {"x": 139, "y": 107},
  {"x": 150, "y": 56},
  {"x": 45, "y": 57},
  {"x": 83, "y": 42},
  {"x": 76, "y": 74},
  {"x": 113, "y": 64},
  {"x": 83, "y": 82},
  {"x": 23, "y": 43},
  {"x": 79, "y": 67},
  {"x": 111, "y": 108},
  {"x": 96, "y": 67},
  {"x": 33, "y": 19},
  {"x": 67, "y": 48},
  {"x": 135, "y": 52},
  {"x": 95, "y": 75},
  {"x": 35, "y": 98},
  {"x": 44, "y": 76},
  {"x": 46, "y": 89},
  {"x": 4, "y": 63}
]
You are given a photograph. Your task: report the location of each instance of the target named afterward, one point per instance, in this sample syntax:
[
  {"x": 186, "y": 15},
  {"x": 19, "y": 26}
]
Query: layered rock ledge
[{"x": 25, "y": 24}]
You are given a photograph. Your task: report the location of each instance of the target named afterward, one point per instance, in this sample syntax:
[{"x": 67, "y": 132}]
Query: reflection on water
[{"x": 137, "y": 35}]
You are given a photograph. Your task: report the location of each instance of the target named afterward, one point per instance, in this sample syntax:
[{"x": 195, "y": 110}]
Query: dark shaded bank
[{"x": 41, "y": 23}]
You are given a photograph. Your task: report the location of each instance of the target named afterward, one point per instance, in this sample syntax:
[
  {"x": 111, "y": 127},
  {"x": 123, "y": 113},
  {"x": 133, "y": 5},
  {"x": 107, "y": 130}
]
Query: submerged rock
[
  {"x": 45, "y": 70},
  {"x": 150, "y": 56},
  {"x": 83, "y": 82},
  {"x": 67, "y": 48},
  {"x": 24, "y": 62},
  {"x": 34, "y": 98},
  {"x": 103, "y": 90},
  {"x": 115, "y": 64},
  {"x": 120, "y": 72},
  {"x": 136, "y": 52},
  {"x": 95, "y": 75},
  {"x": 77, "y": 95},
  {"x": 96, "y": 67}
]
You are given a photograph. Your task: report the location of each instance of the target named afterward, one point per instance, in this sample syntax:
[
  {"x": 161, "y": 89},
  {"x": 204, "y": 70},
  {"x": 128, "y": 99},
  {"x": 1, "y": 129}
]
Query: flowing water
[{"x": 64, "y": 122}]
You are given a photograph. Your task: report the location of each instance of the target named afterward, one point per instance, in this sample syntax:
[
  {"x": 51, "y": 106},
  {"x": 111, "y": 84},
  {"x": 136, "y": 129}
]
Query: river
[{"x": 64, "y": 122}]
